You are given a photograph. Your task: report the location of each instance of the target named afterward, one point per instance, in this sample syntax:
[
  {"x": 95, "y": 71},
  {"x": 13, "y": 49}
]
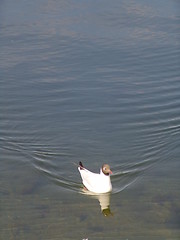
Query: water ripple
[{"x": 45, "y": 160}]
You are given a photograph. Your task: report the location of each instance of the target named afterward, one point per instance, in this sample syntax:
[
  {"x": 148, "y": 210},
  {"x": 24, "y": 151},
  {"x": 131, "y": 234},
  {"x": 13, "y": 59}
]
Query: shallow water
[{"x": 94, "y": 82}]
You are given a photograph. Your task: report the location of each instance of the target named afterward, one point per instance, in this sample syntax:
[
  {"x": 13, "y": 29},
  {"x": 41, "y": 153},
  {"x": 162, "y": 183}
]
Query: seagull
[{"x": 96, "y": 182}]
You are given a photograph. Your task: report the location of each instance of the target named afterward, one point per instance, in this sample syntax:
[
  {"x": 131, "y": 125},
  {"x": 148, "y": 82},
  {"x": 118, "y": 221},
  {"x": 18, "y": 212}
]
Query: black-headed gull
[{"x": 96, "y": 182}]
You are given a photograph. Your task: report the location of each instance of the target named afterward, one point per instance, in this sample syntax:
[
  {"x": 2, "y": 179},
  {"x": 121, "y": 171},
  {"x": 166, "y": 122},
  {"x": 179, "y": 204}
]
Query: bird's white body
[{"x": 94, "y": 182}]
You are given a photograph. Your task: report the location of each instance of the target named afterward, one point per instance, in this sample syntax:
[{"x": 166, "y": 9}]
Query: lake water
[{"x": 97, "y": 82}]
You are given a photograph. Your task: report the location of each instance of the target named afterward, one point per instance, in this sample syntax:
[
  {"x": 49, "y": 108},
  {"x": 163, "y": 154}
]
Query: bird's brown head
[{"x": 106, "y": 169}]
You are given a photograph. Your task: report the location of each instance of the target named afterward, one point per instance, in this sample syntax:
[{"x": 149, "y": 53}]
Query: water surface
[{"x": 94, "y": 82}]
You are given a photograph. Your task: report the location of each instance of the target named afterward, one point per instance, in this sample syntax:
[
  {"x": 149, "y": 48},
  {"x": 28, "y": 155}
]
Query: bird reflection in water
[{"x": 104, "y": 201}]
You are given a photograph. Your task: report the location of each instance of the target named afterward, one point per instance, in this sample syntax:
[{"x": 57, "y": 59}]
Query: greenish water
[
  {"x": 96, "y": 82},
  {"x": 146, "y": 210}
]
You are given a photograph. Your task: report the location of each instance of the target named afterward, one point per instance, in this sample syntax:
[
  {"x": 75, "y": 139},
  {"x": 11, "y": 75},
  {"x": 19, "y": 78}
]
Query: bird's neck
[{"x": 102, "y": 173}]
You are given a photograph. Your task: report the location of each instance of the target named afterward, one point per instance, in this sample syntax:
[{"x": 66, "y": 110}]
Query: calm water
[{"x": 90, "y": 81}]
